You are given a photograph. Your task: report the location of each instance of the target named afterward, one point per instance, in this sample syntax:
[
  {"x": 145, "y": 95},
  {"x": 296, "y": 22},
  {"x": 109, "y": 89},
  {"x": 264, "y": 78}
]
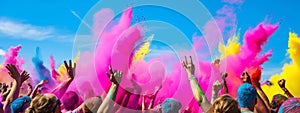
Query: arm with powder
[{"x": 196, "y": 89}]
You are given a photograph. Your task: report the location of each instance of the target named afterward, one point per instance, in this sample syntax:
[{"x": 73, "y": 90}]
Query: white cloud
[
  {"x": 16, "y": 29},
  {"x": 2, "y": 52},
  {"x": 269, "y": 71}
]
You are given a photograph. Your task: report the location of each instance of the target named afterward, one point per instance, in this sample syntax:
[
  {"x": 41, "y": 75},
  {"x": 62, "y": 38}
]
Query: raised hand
[
  {"x": 217, "y": 86},
  {"x": 24, "y": 76},
  {"x": 13, "y": 71},
  {"x": 281, "y": 83},
  {"x": 114, "y": 76},
  {"x": 42, "y": 82},
  {"x": 224, "y": 75},
  {"x": 4, "y": 87},
  {"x": 70, "y": 69},
  {"x": 188, "y": 66}
]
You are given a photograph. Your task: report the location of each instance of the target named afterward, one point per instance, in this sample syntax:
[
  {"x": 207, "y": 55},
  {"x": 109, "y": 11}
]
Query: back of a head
[
  {"x": 44, "y": 103},
  {"x": 69, "y": 100},
  {"x": 171, "y": 106},
  {"x": 292, "y": 105},
  {"x": 246, "y": 96},
  {"x": 277, "y": 101},
  {"x": 92, "y": 104},
  {"x": 20, "y": 104},
  {"x": 224, "y": 104}
]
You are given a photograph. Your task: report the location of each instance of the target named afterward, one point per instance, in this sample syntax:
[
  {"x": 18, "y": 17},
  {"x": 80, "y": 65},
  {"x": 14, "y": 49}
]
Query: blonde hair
[
  {"x": 224, "y": 104},
  {"x": 44, "y": 103}
]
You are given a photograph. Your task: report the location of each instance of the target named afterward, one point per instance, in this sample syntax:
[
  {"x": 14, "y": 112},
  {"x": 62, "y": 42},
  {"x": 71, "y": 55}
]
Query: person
[
  {"x": 90, "y": 105},
  {"x": 115, "y": 77},
  {"x": 20, "y": 104},
  {"x": 262, "y": 103},
  {"x": 60, "y": 90},
  {"x": 224, "y": 83},
  {"x": 217, "y": 86},
  {"x": 224, "y": 104},
  {"x": 70, "y": 100},
  {"x": 50, "y": 103},
  {"x": 171, "y": 105},
  {"x": 196, "y": 89},
  {"x": 281, "y": 84},
  {"x": 292, "y": 105},
  {"x": 15, "y": 89},
  {"x": 152, "y": 98},
  {"x": 246, "y": 97},
  {"x": 277, "y": 101},
  {"x": 44, "y": 103}
]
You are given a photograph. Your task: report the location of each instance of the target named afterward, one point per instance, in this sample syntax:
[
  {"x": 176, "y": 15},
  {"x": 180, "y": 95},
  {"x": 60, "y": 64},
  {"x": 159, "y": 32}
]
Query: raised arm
[
  {"x": 153, "y": 97},
  {"x": 261, "y": 105},
  {"x": 281, "y": 83},
  {"x": 18, "y": 80},
  {"x": 5, "y": 91},
  {"x": 217, "y": 86},
  {"x": 33, "y": 94},
  {"x": 60, "y": 90},
  {"x": 263, "y": 96},
  {"x": 224, "y": 76},
  {"x": 196, "y": 89},
  {"x": 108, "y": 102},
  {"x": 29, "y": 89}
]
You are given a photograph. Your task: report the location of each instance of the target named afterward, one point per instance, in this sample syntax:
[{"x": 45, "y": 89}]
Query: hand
[
  {"x": 42, "y": 82},
  {"x": 189, "y": 67},
  {"x": 24, "y": 76},
  {"x": 224, "y": 75},
  {"x": 4, "y": 87},
  {"x": 281, "y": 83},
  {"x": 217, "y": 86},
  {"x": 114, "y": 77},
  {"x": 13, "y": 72},
  {"x": 70, "y": 70}
]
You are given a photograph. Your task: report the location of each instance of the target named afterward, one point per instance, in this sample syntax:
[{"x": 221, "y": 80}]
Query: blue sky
[{"x": 51, "y": 26}]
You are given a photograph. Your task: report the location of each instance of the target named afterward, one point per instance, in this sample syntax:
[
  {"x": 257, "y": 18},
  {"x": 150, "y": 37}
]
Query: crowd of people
[{"x": 250, "y": 96}]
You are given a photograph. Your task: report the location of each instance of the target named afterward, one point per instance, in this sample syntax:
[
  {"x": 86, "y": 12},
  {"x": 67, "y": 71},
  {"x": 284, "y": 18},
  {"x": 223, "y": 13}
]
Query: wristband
[{"x": 192, "y": 77}]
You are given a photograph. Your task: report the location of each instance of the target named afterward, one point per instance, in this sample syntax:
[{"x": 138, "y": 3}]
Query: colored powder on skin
[
  {"x": 62, "y": 70},
  {"x": 116, "y": 46},
  {"x": 290, "y": 71}
]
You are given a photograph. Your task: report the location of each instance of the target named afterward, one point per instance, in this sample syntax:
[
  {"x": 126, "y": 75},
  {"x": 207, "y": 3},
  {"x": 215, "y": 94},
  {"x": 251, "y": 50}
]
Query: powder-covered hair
[
  {"x": 171, "y": 105},
  {"x": 225, "y": 104},
  {"x": 246, "y": 95},
  {"x": 42, "y": 104}
]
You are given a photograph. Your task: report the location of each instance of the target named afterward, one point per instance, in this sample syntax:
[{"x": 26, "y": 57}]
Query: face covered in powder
[{"x": 245, "y": 77}]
